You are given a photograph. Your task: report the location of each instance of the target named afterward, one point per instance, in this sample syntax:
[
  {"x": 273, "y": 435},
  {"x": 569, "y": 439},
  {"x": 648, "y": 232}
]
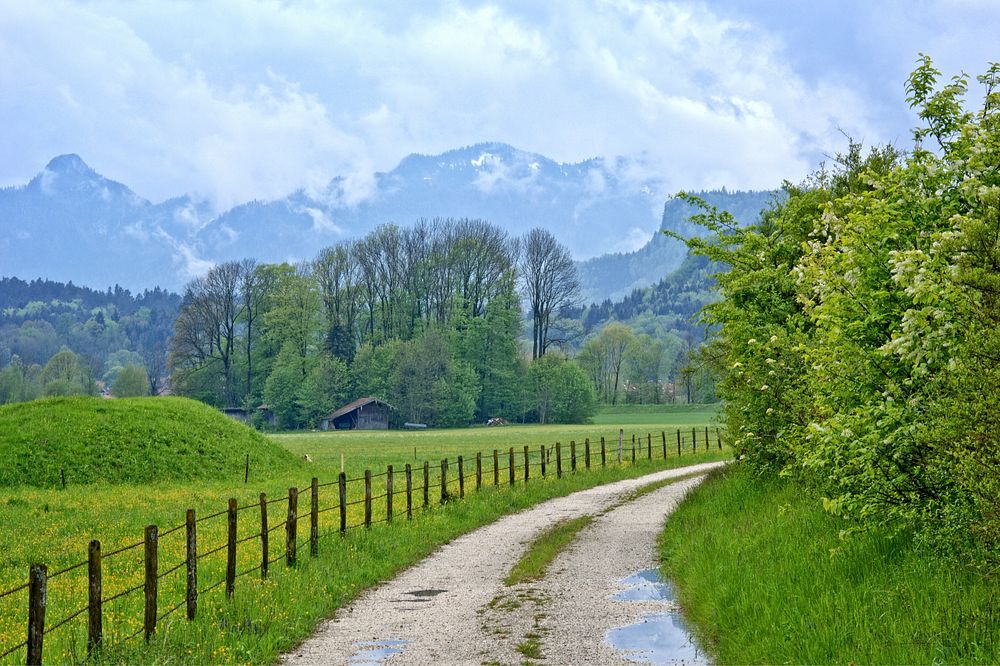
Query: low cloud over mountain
[{"x": 71, "y": 223}]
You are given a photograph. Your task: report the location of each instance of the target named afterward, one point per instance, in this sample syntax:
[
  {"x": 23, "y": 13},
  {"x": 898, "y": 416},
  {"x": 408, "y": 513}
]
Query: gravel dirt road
[{"x": 453, "y": 607}]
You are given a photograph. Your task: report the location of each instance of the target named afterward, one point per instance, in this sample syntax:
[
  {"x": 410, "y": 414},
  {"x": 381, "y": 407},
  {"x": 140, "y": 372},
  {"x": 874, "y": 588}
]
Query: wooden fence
[{"x": 445, "y": 488}]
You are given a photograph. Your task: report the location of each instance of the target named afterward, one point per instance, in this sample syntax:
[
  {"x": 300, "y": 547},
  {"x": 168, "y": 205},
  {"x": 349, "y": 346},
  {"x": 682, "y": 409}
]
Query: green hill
[{"x": 135, "y": 440}]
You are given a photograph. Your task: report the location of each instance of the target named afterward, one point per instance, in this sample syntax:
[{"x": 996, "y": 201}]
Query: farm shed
[
  {"x": 362, "y": 414},
  {"x": 246, "y": 415},
  {"x": 238, "y": 413}
]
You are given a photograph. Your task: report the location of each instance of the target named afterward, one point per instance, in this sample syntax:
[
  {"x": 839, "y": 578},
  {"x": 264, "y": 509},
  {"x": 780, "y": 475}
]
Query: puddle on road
[
  {"x": 658, "y": 638},
  {"x": 373, "y": 653},
  {"x": 426, "y": 593},
  {"x": 645, "y": 585}
]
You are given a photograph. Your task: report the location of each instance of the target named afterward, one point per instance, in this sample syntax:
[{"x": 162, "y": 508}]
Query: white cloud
[
  {"x": 321, "y": 222},
  {"x": 239, "y": 100},
  {"x": 188, "y": 262},
  {"x": 633, "y": 239}
]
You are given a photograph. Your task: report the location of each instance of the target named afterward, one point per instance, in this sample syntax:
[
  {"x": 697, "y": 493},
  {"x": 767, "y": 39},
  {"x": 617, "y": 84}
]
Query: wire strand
[
  {"x": 123, "y": 593},
  {"x": 122, "y": 550},
  {"x": 13, "y": 590},
  {"x": 14, "y": 649},
  {"x": 65, "y": 620}
]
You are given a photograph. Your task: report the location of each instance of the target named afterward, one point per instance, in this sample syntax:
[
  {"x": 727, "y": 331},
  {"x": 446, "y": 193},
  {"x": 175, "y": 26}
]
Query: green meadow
[
  {"x": 765, "y": 576},
  {"x": 53, "y": 525}
]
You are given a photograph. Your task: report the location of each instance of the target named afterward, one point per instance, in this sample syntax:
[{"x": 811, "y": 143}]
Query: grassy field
[
  {"x": 376, "y": 449},
  {"x": 672, "y": 415},
  {"x": 764, "y": 578},
  {"x": 138, "y": 440},
  {"x": 54, "y": 525}
]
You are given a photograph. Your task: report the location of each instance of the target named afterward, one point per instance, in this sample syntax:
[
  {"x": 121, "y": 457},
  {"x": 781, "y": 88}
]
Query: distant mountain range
[
  {"x": 615, "y": 276},
  {"x": 70, "y": 223}
]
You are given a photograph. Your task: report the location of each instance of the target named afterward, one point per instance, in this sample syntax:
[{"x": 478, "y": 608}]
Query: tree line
[
  {"x": 61, "y": 339},
  {"x": 427, "y": 318},
  {"x": 858, "y": 342}
]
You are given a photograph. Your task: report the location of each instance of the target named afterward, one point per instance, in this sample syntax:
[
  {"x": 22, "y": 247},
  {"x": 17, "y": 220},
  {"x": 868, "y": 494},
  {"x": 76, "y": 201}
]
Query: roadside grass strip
[
  {"x": 534, "y": 563},
  {"x": 652, "y": 487},
  {"x": 547, "y": 545},
  {"x": 53, "y": 526},
  {"x": 267, "y": 617},
  {"x": 544, "y": 549},
  {"x": 766, "y": 576}
]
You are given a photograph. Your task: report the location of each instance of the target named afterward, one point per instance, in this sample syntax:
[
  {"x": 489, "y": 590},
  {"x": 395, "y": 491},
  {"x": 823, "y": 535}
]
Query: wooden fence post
[
  {"x": 496, "y": 468},
  {"x": 663, "y": 434},
  {"x": 264, "y": 535},
  {"x": 586, "y": 452},
  {"x": 572, "y": 455},
  {"x": 678, "y": 442},
  {"x": 149, "y": 586},
  {"x": 95, "y": 629},
  {"x": 543, "y": 460},
  {"x": 342, "y": 491},
  {"x": 38, "y": 583},
  {"x": 479, "y": 470},
  {"x": 510, "y": 465},
  {"x": 706, "y": 438},
  {"x": 291, "y": 526},
  {"x": 633, "y": 448},
  {"x": 368, "y": 498},
  {"x": 314, "y": 519},
  {"x": 427, "y": 483},
  {"x": 527, "y": 464},
  {"x": 246, "y": 471},
  {"x": 444, "y": 481},
  {"x": 388, "y": 493},
  {"x": 694, "y": 440},
  {"x": 649, "y": 446},
  {"x": 558, "y": 460},
  {"x": 409, "y": 492},
  {"x": 231, "y": 548},
  {"x": 191, "y": 543},
  {"x": 461, "y": 478},
  {"x": 718, "y": 438},
  {"x": 604, "y": 456},
  {"x": 621, "y": 434}
]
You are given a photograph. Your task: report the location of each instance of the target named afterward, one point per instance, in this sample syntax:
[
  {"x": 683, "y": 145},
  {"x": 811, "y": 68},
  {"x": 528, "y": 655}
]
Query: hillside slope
[
  {"x": 614, "y": 276},
  {"x": 67, "y": 218},
  {"x": 134, "y": 440}
]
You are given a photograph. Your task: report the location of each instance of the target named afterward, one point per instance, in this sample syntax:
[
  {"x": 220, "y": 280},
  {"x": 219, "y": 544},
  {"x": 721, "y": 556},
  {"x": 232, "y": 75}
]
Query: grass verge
[
  {"x": 266, "y": 618},
  {"x": 544, "y": 549},
  {"x": 83, "y": 440},
  {"x": 764, "y": 578}
]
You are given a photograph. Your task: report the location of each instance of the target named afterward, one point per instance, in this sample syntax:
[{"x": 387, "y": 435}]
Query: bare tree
[
  {"x": 206, "y": 327},
  {"x": 549, "y": 282},
  {"x": 255, "y": 285},
  {"x": 336, "y": 272}
]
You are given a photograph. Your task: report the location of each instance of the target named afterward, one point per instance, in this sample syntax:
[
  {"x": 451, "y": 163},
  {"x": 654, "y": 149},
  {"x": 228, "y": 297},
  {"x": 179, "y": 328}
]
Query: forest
[
  {"x": 427, "y": 317},
  {"x": 858, "y": 333},
  {"x": 367, "y": 317},
  {"x": 62, "y": 339}
]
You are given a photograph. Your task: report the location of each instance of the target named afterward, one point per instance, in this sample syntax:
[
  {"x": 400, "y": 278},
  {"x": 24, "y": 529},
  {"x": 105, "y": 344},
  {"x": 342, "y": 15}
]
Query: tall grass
[
  {"x": 265, "y": 618},
  {"x": 83, "y": 440},
  {"x": 764, "y": 577},
  {"x": 544, "y": 549}
]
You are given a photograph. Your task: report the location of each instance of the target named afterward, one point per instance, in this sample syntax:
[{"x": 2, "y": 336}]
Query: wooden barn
[{"x": 362, "y": 414}]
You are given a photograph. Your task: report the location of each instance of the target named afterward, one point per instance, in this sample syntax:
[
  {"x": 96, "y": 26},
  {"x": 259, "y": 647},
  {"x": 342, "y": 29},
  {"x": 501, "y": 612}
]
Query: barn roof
[{"x": 357, "y": 404}]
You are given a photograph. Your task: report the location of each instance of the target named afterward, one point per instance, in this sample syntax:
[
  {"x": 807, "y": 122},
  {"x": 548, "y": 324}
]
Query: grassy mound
[
  {"x": 134, "y": 440},
  {"x": 765, "y": 578}
]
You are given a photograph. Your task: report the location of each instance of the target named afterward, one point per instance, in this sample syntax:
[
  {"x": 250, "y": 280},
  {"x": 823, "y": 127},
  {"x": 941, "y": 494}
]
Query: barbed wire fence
[{"x": 518, "y": 465}]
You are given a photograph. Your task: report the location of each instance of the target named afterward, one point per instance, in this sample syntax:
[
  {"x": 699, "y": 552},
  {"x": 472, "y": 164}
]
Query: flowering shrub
[{"x": 859, "y": 331}]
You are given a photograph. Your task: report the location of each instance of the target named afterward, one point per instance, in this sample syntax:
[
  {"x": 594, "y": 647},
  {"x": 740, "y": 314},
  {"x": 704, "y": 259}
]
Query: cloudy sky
[{"x": 234, "y": 100}]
